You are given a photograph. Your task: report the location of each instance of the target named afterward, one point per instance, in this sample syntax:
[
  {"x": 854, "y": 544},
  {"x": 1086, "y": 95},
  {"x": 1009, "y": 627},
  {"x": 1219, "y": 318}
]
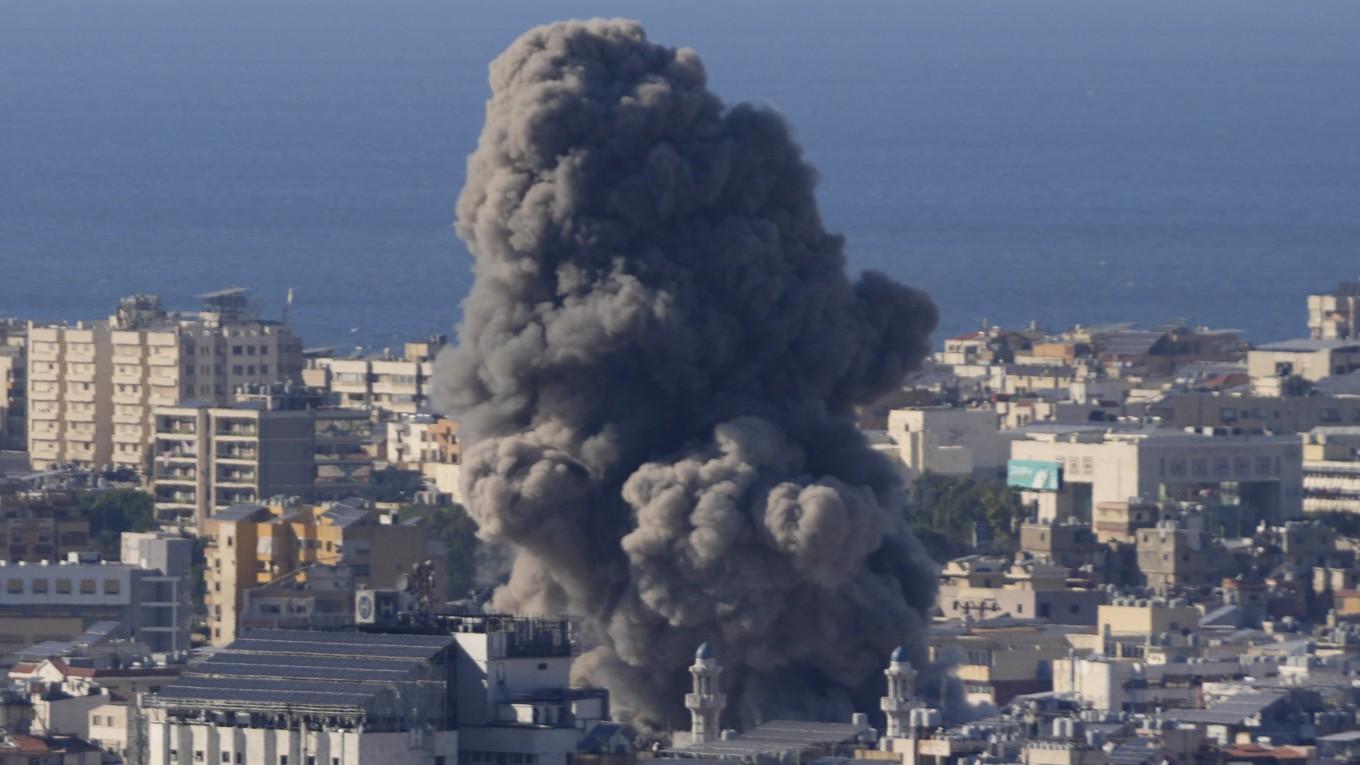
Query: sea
[{"x": 1058, "y": 161}]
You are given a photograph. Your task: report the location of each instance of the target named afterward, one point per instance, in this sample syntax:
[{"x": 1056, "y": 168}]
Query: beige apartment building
[
  {"x": 250, "y": 545},
  {"x": 93, "y": 386},
  {"x": 1334, "y": 315},
  {"x": 277, "y": 442},
  {"x": 391, "y": 383}
]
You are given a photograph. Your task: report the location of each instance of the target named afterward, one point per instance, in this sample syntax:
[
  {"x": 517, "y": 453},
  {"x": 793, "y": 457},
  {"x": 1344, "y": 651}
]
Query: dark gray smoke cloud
[{"x": 655, "y": 378}]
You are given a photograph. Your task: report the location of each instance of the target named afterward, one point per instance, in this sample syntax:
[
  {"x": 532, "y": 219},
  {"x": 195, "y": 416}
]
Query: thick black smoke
[{"x": 655, "y": 375}]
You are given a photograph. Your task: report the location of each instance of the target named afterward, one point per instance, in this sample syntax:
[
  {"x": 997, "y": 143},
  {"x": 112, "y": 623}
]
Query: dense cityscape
[
  {"x": 681, "y": 487},
  {"x": 222, "y": 546}
]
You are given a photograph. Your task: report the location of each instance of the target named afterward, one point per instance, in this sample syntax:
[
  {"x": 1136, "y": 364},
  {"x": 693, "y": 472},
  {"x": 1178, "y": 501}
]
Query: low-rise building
[
  {"x": 948, "y": 440},
  {"x": 60, "y": 600}
]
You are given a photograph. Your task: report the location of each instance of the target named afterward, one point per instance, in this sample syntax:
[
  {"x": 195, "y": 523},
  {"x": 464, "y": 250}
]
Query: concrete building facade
[
  {"x": 1263, "y": 474},
  {"x": 210, "y": 458},
  {"x": 252, "y": 545},
  {"x": 93, "y": 387},
  {"x": 58, "y": 601}
]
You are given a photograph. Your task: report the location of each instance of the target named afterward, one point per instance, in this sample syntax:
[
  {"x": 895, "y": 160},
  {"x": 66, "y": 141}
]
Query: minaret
[
  {"x": 899, "y": 702},
  {"x": 706, "y": 703}
]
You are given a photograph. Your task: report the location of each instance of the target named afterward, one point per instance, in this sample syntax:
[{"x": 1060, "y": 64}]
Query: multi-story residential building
[
  {"x": 59, "y": 601},
  {"x": 13, "y": 385},
  {"x": 252, "y": 545},
  {"x": 278, "y": 441},
  {"x": 1331, "y": 470},
  {"x": 428, "y": 443},
  {"x": 387, "y": 382},
  {"x": 1335, "y": 315},
  {"x": 280, "y": 697},
  {"x": 41, "y": 526},
  {"x": 92, "y": 387}
]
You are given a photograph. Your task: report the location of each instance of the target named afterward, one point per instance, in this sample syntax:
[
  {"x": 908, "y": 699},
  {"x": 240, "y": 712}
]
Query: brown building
[{"x": 41, "y": 527}]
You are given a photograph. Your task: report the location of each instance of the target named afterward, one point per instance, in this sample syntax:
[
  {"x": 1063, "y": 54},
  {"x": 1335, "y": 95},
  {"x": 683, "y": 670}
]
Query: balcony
[
  {"x": 236, "y": 477},
  {"x": 239, "y": 455},
  {"x": 237, "y": 430}
]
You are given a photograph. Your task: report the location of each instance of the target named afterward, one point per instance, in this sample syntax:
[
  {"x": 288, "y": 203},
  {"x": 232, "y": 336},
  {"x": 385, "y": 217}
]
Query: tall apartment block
[
  {"x": 277, "y": 441},
  {"x": 13, "y": 385},
  {"x": 391, "y": 383},
  {"x": 92, "y": 386}
]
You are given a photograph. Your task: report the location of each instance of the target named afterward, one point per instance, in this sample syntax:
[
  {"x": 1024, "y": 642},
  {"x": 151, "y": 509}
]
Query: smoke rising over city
[{"x": 655, "y": 380}]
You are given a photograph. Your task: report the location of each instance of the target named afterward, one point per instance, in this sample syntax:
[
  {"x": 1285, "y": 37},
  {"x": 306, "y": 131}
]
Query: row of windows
[
  {"x": 62, "y": 586},
  {"x": 239, "y": 758}
]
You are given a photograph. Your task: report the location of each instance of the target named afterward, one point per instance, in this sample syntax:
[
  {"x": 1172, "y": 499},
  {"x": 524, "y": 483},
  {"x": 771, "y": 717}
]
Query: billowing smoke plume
[{"x": 655, "y": 376}]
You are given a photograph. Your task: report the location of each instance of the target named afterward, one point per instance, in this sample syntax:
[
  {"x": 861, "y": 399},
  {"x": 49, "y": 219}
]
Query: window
[
  {"x": 198, "y": 755},
  {"x": 15, "y": 587},
  {"x": 543, "y": 665},
  {"x": 174, "y": 755},
  {"x": 226, "y": 757},
  {"x": 63, "y": 586},
  {"x": 39, "y": 586},
  {"x": 236, "y": 350},
  {"x": 87, "y": 587},
  {"x": 1075, "y": 608},
  {"x": 283, "y": 759},
  {"x": 111, "y": 586}
]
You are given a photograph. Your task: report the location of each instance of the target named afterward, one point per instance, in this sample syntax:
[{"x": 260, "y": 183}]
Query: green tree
[
  {"x": 110, "y": 513},
  {"x": 948, "y": 513},
  {"x": 455, "y": 528}
]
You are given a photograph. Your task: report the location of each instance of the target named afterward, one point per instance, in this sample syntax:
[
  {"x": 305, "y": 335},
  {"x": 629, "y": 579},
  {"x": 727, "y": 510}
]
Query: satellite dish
[{"x": 403, "y": 582}]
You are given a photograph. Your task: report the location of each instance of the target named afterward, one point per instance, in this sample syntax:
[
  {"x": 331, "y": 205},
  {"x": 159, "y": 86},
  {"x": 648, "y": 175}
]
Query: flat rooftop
[{"x": 1307, "y": 345}]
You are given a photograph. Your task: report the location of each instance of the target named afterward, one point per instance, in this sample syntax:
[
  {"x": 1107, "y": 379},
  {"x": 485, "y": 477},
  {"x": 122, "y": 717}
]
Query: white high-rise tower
[
  {"x": 900, "y": 700},
  {"x": 706, "y": 702}
]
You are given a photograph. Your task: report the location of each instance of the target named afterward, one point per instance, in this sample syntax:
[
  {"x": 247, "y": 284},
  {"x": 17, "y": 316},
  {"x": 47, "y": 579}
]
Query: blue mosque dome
[
  {"x": 899, "y": 654},
  {"x": 705, "y": 651}
]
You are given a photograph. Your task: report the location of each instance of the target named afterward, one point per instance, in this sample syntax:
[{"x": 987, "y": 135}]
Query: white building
[
  {"x": 1088, "y": 465},
  {"x": 280, "y": 697},
  {"x": 946, "y": 440},
  {"x": 514, "y": 695}
]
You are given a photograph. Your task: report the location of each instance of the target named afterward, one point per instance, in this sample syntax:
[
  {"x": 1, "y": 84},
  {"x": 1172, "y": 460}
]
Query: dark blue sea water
[{"x": 1059, "y": 160}]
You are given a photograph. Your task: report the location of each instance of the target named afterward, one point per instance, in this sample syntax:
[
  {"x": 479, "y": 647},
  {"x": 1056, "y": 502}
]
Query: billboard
[{"x": 1034, "y": 475}]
